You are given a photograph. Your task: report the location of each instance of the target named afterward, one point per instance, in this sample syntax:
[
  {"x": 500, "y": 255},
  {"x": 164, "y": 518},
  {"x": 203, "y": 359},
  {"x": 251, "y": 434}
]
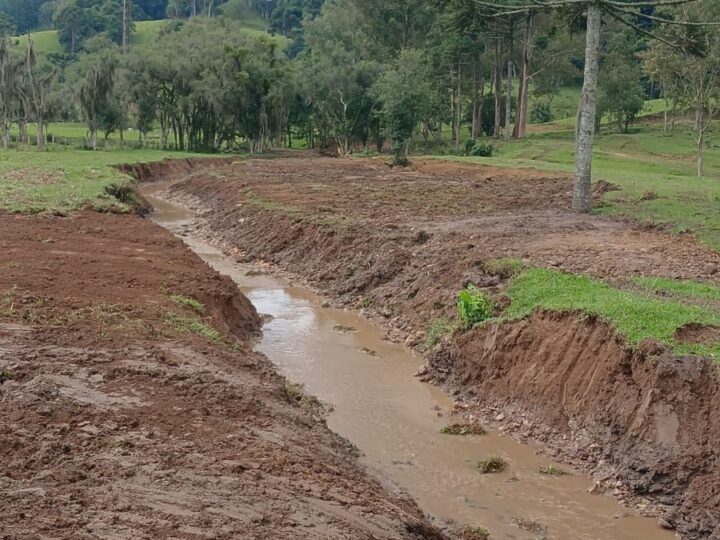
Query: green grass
[
  {"x": 192, "y": 325},
  {"x": 636, "y": 316},
  {"x": 188, "y": 302},
  {"x": 65, "y": 180},
  {"x": 692, "y": 289},
  {"x": 645, "y": 161}
]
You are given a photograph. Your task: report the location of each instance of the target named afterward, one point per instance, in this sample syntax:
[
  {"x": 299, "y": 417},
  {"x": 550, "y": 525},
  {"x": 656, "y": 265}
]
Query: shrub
[
  {"x": 474, "y": 533},
  {"x": 469, "y": 145},
  {"x": 482, "y": 150},
  {"x": 474, "y": 306},
  {"x": 541, "y": 114}
]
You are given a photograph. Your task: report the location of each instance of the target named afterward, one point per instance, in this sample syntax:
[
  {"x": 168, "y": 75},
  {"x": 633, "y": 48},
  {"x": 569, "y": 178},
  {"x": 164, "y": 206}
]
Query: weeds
[
  {"x": 474, "y": 306},
  {"x": 474, "y": 533},
  {"x": 553, "y": 470},
  {"x": 492, "y": 465},
  {"x": 531, "y": 526},
  {"x": 188, "y": 302},
  {"x": 192, "y": 325},
  {"x": 463, "y": 429},
  {"x": 438, "y": 329},
  {"x": 6, "y": 375},
  {"x": 296, "y": 392},
  {"x": 503, "y": 268}
]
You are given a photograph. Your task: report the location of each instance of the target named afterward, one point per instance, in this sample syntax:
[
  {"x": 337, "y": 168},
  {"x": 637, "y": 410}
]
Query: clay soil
[
  {"x": 119, "y": 421},
  {"x": 400, "y": 243}
]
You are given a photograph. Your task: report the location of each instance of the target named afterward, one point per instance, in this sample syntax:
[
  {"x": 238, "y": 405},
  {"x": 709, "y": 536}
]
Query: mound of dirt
[
  {"x": 698, "y": 334},
  {"x": 351, "y": 229},
  {"x": 122, "y": 417}
]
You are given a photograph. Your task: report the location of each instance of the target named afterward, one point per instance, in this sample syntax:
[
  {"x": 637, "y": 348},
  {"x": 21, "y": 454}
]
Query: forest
[{"x": 349, "y": 76}]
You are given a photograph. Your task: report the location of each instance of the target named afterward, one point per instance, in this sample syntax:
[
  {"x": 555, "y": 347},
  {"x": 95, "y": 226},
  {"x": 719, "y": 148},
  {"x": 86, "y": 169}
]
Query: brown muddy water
[{"x": 380, "y": 406}]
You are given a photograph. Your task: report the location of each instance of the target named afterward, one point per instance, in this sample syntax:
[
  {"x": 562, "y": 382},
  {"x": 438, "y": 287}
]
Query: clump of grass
[
  {"x": 188, "y": 302},
  {"x": 492, "y": 465},
  {"x": 530, "y": 525},
  {"x": 636, "y": 316},
  {"x": 6, "y": 375},
  {"x": 342, "y": 329},
  {"x": 474, "y": 533},
  {"x": 503, "y": 268},
  {"x": 474, "y": 306},
  {"x": 464, "y": 429},
  {"x": 438, "y": 329},
  {"x": 297, "y": 393},
  {"x": 193, "y": 325},
  {"x": 553, "y": 470}
]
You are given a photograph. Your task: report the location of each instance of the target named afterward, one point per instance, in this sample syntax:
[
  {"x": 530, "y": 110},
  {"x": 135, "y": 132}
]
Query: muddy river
[{"x": 394, "y": 419}]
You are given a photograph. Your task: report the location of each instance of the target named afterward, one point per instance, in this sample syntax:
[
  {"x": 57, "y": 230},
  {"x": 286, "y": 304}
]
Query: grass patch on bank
[
  {"x": 692, "y": 289},
  {"x": 65, "y": 180},
  {"x": 192, "y": 325},
  {"x": 636, "y": 316}
]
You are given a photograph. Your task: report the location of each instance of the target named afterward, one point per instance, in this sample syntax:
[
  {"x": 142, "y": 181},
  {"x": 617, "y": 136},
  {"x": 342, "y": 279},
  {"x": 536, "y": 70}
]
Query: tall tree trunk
[
  {"x": 508, "y": 98},
  {"x": 520, "y": 130},
  {"x": 582, "y": 195},
  {"x": 193, "y": 8},
  {"x": 127, "y": 22},
  {"x": 458, "y": 110},
  {"x": 41, "y": 134},
  {"x": 498, "y": 88},
  {"x": 475, "y": 100},
  {"x": 453, "y": 101},
  {"x": 700, "y": 137}
]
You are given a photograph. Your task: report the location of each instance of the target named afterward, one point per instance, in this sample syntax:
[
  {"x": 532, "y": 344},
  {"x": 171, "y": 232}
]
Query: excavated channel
[{"x": 395, "y": 420}]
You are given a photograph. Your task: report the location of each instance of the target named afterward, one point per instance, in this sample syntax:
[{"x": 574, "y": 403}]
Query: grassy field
[
  {"x": 655, "y": 171},
  {"x": 65, "y": 180}
]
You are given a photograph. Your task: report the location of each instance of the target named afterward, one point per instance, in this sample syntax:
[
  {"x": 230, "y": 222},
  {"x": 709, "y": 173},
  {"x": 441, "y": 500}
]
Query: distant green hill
[{"x": 47, "y": 42}]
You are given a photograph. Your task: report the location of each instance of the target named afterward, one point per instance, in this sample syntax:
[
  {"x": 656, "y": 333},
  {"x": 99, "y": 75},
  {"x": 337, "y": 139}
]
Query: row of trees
[{"x": 376, "y": 72}]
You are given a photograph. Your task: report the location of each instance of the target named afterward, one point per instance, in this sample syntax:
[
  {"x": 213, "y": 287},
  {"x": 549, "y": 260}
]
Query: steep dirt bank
[
  {"x": 400, "y": 244},
  {"x": 648, "y": 421},
  {"x": 125, "y": 416}
]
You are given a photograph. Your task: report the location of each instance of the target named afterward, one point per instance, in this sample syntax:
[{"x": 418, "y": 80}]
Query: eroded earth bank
[
  {"x": 399, "y": 244},
  {"x": 133, "y": 406}
]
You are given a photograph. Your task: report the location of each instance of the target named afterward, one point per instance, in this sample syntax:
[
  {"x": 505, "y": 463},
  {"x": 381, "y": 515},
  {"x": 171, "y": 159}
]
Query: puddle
[{"x": 393, "y": 418}]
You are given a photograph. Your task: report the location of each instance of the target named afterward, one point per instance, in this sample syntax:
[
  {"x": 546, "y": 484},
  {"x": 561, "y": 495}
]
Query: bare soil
[
  {"x": 400, "y": 243},
  {"x": 117, "y": 423}
]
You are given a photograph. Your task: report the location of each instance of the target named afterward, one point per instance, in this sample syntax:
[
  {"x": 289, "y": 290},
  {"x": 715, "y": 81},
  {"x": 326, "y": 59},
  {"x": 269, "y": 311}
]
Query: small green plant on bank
[
  {"x": 492, "y": 465},
  {"x": 552, "y": 470},
  {"x": 188, "y": 302},
  {"x": 464, "y": 429},
  {"x": 474, "y": 533},
  {"x": 474, "y": 306},
  {"x": 503, "y": 268},
  {"x": 438, "y": 329},
  {"x": 193, "y": 325}
]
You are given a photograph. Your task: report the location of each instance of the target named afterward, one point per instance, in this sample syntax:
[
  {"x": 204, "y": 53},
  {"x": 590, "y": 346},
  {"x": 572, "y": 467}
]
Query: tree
[
  {"x": 403, "y": 94},
  {"x": 622, "y": 10},
  {"x": 620, "y": 87},
  {"x": 96, "y": 91},
  {"x": 691, "y": 75},
  {"x": 36, "y": 91}
]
